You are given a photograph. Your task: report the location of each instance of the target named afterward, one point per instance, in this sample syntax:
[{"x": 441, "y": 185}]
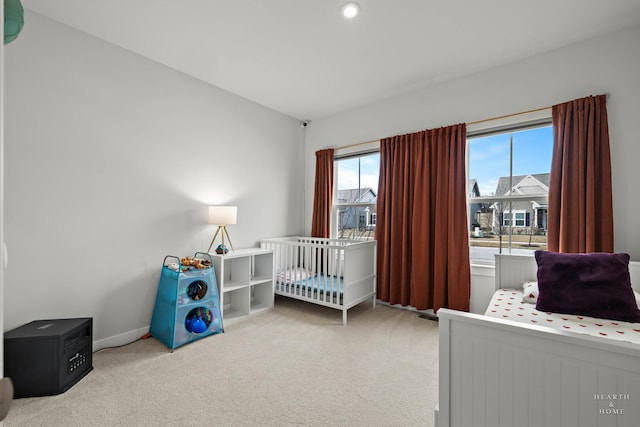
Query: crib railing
[
  {"x": 319, "y": 270},
  {"x": 316, "y": 263}
]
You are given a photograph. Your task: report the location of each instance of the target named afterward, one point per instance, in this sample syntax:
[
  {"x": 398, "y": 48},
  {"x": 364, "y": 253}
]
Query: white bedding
[{"x": 508, "y": 304}]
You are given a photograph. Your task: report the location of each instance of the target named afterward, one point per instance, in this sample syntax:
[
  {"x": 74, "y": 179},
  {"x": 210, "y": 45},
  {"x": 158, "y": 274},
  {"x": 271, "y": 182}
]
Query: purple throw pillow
[{"x": 592, "y": 284}]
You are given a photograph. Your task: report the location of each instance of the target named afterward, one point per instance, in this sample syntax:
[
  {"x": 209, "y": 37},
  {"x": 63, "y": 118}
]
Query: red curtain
[
  {"x": 423, "y": 242},
  {"x": 580, "y": 199},
  {"x": 322, "y": 194}
]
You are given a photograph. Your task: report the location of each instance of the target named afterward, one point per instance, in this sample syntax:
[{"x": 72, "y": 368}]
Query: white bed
[
  {"x": 500, "y": 372},
  {"x": 330, "y": 272}
]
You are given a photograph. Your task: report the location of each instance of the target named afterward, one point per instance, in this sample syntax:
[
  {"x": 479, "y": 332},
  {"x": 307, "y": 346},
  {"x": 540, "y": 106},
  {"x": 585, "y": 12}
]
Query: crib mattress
[
  {"x": 319, "y": 283},
  {"x": 508, "y": 304}
]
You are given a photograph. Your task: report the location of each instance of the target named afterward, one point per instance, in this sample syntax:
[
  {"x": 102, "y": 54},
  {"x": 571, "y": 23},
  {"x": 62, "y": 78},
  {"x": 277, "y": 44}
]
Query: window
[
  {"x": 355, "y": 196},
  {"x": 506, "y": 219},
  {"x": 508, "y": 178},
  {"x": 520, "y": 219}
]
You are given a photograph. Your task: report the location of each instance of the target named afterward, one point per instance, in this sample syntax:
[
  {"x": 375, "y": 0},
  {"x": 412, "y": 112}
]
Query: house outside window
[
  {"x": 356, "y": 196},
  {"x": 508, "y": 185}
]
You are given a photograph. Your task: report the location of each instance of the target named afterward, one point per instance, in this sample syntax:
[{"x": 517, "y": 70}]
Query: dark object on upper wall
[{"x": 13, "y": 20}]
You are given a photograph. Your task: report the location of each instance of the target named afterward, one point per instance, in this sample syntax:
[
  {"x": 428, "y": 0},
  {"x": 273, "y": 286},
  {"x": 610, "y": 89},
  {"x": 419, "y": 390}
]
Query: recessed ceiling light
[{"x": 350, "y": 10}]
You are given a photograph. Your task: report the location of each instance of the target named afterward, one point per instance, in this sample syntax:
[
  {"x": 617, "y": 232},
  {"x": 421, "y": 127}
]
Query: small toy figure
[
  {"x": 221, "y": 249},
  {"x": 195, "y": 263}
]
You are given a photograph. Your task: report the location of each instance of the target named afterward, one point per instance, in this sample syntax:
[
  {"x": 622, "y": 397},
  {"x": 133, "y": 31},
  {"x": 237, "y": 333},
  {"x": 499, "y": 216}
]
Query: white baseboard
[{"x": 120, "y": 339}]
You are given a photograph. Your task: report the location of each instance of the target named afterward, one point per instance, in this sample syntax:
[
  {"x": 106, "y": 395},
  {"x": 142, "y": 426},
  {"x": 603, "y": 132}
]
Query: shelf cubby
[{"x": 245, "y": 281}]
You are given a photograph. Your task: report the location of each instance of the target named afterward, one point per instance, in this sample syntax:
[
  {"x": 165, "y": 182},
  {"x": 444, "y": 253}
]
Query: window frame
[
  {"x": 507, "y": 124},
  {"x": 337, "y": 208}
]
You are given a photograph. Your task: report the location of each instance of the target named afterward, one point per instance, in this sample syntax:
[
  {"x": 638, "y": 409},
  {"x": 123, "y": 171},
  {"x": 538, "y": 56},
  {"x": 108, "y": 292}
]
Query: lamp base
[{"x": 224, "y": 232}]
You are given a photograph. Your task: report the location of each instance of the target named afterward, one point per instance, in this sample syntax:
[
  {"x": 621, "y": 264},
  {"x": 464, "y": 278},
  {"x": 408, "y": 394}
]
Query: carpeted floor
[{"x": 293, "y": 366}]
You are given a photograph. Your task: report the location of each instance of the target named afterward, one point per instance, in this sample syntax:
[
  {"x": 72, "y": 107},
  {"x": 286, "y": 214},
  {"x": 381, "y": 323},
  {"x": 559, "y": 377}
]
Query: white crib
[{"x": 330, "y": 272}]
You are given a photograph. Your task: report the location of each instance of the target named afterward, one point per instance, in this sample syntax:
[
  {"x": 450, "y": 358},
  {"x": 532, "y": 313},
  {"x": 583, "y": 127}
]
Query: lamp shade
[{"x": 223, "y": 215}]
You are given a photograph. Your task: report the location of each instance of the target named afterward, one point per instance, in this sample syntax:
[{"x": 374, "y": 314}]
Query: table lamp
[{"x": 222, "y": 216}]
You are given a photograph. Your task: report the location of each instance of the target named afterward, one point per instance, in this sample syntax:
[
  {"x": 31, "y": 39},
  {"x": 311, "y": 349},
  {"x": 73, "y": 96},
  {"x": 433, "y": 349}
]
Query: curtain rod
[
  {"x": 470, "y": 123},
  {"x": 506, "y": 116},
  {"x": 535, "y": 110},
  {"x": 344, "y": 147}
]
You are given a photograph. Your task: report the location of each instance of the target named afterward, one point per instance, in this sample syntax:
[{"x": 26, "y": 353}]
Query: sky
[
  {"x": 488, "y": 160},
  {"x": 369, "y": 172},
  {"x": 489, "y": 156}
]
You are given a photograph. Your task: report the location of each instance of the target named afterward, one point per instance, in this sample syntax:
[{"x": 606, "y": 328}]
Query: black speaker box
[{"x": 47, "y": 357}]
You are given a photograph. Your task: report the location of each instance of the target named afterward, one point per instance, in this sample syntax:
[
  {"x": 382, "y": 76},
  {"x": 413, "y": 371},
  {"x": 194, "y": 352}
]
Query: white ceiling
[{"x": 302, "y": 58}]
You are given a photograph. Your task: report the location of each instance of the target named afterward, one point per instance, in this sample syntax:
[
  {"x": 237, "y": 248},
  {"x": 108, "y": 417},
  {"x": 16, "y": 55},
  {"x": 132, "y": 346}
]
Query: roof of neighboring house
[
  {"x": 472, "y": 185},
  {"x": 355, "y": 195},
  {"x": 539, "y": 181}
]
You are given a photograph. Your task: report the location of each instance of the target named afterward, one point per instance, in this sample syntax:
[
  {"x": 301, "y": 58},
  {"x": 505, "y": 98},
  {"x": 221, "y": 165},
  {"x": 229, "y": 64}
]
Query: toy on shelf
[
  {"x": 187, "y": 304},
  {"x": 222, "y": 249}
]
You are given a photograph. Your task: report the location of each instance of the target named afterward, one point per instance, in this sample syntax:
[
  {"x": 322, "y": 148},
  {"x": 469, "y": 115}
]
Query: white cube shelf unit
[{"x": 245, "y": 281}]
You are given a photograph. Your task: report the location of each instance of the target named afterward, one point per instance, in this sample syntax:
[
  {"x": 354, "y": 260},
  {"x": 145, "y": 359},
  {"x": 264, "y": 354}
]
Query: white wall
[
  {"x": 609, "y": 64},
  {"x": 111, "y": 162}
]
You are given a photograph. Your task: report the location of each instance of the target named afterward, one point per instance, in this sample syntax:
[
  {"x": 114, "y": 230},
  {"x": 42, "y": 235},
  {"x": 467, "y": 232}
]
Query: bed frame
[
  {"x": 345, "y": 270},
  {"x": 495, "y": 372}
]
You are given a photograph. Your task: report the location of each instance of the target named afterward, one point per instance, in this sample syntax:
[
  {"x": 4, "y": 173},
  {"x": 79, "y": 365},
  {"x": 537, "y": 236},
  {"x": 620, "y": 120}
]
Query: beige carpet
[{"x": 293, "y": 366}]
